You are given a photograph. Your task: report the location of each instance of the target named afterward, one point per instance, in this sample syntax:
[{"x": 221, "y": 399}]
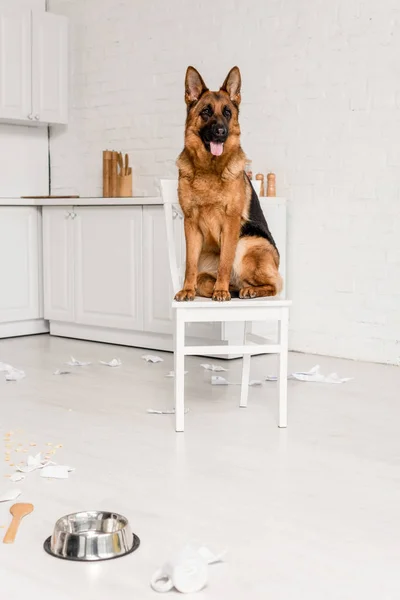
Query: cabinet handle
[
  {"x": 37, "y": 117},
  {"x": 30, "y": 117},
  {"x": 72, "y": 215},
  {"x": 67, "y": 215}
]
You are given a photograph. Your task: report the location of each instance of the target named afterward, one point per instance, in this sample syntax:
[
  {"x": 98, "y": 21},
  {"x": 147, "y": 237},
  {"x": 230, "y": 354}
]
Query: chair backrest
[{"x": 172, "y": 211}]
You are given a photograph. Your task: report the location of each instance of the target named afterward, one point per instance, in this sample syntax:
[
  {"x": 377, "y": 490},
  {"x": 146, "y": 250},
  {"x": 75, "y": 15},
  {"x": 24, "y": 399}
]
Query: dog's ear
[
  {"x": 194, "y": 86},
  {"x": 232, "y": 85}
]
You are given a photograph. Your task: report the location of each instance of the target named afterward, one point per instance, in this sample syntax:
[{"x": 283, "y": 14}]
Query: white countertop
[{"x": 134, "y": 201}]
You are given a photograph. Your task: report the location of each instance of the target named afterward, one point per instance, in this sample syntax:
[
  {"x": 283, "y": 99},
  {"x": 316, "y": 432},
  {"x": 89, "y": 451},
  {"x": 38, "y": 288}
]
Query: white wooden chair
[{"x": 207, "y": 310}]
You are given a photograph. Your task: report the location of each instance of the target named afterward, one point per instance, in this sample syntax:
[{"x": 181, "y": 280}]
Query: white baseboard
[
  {"x": 123, "y": 337},
  {"x": 29, "y": 327}
]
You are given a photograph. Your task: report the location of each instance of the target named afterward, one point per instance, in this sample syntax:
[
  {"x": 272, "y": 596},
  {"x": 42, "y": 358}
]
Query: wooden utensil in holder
[
  {"x": 117, "y": 175},
  {"x": 125, "y": 185}
]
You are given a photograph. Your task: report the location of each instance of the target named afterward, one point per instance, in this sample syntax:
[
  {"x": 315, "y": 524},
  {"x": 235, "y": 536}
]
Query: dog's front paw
[
  {"x": 221, "y": 295},
  {"x": 248, "y": 292},
  {"x": 185, "y": 295}
]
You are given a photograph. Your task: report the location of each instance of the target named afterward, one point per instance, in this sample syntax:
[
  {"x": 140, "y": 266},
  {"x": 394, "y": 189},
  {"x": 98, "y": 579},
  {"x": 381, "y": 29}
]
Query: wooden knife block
[{"x": 124, "y": 186}]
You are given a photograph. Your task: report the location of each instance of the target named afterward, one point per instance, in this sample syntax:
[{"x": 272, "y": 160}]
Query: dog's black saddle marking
[{"x": 257, "y": 224}]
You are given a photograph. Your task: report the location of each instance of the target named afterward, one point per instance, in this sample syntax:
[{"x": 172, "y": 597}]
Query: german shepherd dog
[{"x": 229, "y": 247}]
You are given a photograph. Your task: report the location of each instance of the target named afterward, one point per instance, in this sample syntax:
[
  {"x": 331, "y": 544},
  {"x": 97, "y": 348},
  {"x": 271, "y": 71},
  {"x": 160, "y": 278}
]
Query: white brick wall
[{"x": 321, "y": 108}]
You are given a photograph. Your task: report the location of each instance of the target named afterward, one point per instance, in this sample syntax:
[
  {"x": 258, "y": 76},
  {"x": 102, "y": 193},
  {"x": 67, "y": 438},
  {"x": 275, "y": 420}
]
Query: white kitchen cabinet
[
  {"x": 49, "y": 68},
  {"x": 108, "y": 266},
  {"x": 33, "y": 66},
  {"x": 58, "y": 263},
  {"x": 20, "y": 271},
  {"x": 156, "y": 273},
  {"x": 15, "y": 63}
]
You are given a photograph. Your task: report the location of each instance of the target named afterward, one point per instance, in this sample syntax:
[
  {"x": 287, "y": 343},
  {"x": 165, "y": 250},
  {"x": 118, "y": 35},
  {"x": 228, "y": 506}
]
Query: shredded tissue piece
[
  {"x": 313, "y": 375},
  {"x": 152, "y": 358},
  {"x": 33, "y": 463},
  {"x": 56, "y": 471},
  {"x": 219, "y": 380},
  {"x": 15, "y": 375},
  {"x": 62, "y": 372},
  {"x": 172, "y": 373},
  {"x": 11, "y": 373},
  {"x": 77, "y": 363},
  {"x": 167, "y": 411},
  {"x": 10, "y": 495},
  {"x": 17, "y": 477},
  {"x": 209, "y": 367},
  {"x": 115, "y": 362}
]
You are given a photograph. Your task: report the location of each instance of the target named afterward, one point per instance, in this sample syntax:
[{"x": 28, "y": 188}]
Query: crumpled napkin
[
  {"x": 33, "y": 463},
  {"x": 115, "y": 362},
  {"x": 152, "y": 358},
  {"x": 11, "y": 373},
  {"x": 313, "y": 375},
  {"x": 210, "y": 367},
  {"x": 10, "y": 495},
  {"x": 77, "y": 363}
]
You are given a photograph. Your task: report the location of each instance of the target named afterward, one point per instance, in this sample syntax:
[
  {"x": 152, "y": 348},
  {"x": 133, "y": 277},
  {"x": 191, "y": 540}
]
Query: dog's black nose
[{"x": 219, "y": 130}]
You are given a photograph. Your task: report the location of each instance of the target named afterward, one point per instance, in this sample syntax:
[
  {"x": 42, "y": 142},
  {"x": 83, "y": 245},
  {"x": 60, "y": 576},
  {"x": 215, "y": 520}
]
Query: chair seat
[{"x": 200, "y": 302}]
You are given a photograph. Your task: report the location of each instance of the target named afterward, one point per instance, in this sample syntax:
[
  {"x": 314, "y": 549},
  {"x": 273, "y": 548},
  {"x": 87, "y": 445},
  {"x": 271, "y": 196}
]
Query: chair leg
[
  {"x": 244, "y": 392},
  {"x": 283, "y": 367},
  {"x": 179, "y": 367}
]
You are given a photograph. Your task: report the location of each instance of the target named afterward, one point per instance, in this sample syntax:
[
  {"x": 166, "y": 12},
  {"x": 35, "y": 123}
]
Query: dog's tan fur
[{"x": 215, "y": 199}]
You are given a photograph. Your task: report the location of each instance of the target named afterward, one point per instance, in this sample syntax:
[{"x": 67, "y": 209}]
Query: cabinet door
[
  {"x": 15, "y": 64},
  {"x": 108, "y": 266},
  {"x": 156, "y": 272},
  {"x": 58, "y": 263},
  {"x": 19, "y": 265},
  {"x": 49, "y": 68}
]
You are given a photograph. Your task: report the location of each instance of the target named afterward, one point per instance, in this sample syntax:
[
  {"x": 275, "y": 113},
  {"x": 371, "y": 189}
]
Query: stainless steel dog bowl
[{"x": 91, "y": 536}]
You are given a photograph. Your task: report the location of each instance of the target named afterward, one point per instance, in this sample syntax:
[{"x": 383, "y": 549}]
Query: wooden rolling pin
[
  {"x": 271, "y": 184},
  {"x": 113, "y": 175},
  {"x": 106, "y": 173},
  {"x": 260, "y": 177}
]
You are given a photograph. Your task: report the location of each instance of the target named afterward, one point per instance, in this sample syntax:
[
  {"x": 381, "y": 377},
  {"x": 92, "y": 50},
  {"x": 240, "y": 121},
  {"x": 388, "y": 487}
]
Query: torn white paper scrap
[
  {"x": 271, "y": 378},
  {"x": 17, "y": 477},
  {"x": 10, "y": 495},
  {"x": 152, "y": 358},
  {"x": 56, "y": 472},
  {"x": 15, "y": 375},
  {"x": 313, "y": 375},
  {"x": 218, "y": 380},
  {"x": 209, "y": 367},
  {"x": 115, "y": 362},
  {"x": 167, "y": 411},
  {"x": 33, "y": 463},
  {"x": 172, "y": 373},
  {"x": 61, "y": 372},
  {"x": 77, "y": 363},
  {"x": 4, "y": 367}
]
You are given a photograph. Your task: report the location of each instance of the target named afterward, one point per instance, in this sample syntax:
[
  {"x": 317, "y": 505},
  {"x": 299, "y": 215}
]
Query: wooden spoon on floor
[{"x": 18, "y": 511}]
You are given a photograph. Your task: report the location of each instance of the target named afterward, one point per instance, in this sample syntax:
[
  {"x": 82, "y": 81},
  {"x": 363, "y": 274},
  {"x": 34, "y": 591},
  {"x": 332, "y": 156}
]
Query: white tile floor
[{"x": 311, "y": 512}]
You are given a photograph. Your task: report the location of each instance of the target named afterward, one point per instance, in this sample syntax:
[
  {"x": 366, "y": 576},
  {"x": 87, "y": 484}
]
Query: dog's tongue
[{"x": 216, "y": 148}]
